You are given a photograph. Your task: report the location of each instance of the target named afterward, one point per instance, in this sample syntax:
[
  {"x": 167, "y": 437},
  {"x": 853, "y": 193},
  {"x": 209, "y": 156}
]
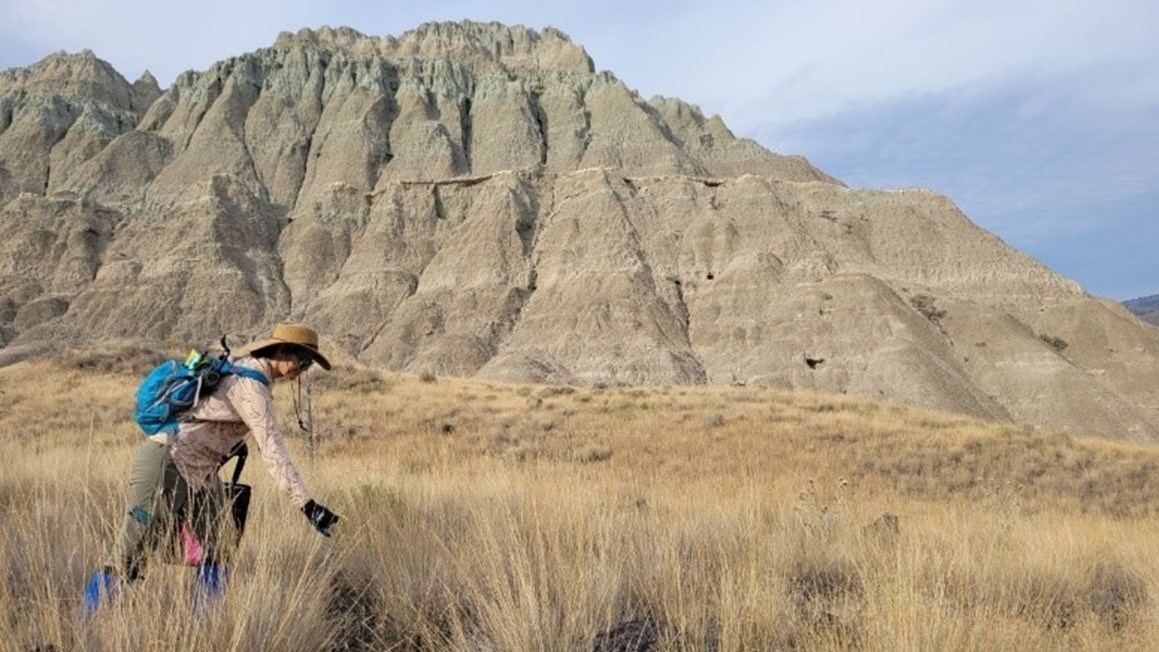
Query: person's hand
[{"x": 321, "y": 518}]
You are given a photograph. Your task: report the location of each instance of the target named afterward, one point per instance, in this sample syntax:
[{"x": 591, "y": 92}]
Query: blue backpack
[{"x": 175, "y": 386}]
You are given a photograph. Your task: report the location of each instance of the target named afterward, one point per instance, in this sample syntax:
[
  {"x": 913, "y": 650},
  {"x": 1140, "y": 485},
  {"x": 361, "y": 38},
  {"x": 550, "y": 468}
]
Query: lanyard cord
[{"x": 298, "y": 405}]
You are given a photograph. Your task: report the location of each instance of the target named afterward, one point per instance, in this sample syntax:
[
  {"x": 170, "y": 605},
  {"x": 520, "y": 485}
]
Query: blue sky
[{"x": 1040, "y": 119}]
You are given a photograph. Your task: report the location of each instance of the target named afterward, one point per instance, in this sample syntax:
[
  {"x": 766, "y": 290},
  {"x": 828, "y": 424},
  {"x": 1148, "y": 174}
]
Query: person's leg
[
  {"x": 148, "y": 510},
  {"x": 207, "y": 509},
  {"x": 143, "y": 518}
]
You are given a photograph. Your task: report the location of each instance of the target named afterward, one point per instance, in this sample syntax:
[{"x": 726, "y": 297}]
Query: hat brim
[{"x": 269, "y": 343}]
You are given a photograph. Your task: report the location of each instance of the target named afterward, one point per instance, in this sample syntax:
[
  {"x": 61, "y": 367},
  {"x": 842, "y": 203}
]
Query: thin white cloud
[{"x": 788, "y": 61}]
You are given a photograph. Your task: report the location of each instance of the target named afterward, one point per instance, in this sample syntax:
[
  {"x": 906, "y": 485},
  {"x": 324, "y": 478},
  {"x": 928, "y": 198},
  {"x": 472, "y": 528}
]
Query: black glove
[{"x": 321, "y": 518}]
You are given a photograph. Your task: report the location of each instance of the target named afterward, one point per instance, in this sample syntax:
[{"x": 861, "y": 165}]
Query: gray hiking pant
[{"x": 159, "y": 499}]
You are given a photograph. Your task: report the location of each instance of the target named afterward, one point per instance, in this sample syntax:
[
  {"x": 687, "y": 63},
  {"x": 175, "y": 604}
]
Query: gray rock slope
[
  {"x": 478, "y": 200},
  {"x": 1146, "y": 308}
]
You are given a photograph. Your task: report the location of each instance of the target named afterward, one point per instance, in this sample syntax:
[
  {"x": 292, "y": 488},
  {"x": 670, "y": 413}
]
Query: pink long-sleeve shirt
[{"x": 220, "y": 421}]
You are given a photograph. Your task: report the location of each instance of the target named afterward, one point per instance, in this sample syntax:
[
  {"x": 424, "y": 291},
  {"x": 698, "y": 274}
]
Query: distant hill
[
  {"x": 1147, "y": 308},
  {"x": 473, "y": 199}
]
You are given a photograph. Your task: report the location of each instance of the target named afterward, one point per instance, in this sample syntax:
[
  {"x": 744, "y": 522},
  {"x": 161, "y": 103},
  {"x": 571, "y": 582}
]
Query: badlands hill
[
  {"x": 478, "y": 200},
  {"x": 1146, "y": 308}
]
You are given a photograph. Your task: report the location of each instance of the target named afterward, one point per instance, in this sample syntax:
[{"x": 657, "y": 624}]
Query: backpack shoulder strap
[
  {"x": 229, "y": 367},
  {"x": 252, "y": 374}
]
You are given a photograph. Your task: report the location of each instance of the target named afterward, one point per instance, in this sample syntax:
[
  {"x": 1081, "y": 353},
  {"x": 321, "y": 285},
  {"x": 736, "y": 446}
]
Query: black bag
[
  {"x": 187, "y": 549},
  {"x": 237, "y": 494}
]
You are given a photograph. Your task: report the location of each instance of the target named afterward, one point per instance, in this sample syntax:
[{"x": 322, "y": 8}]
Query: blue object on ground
[
  {"x": 100, "y": 590},
  {"x": 209, "y": 587}
]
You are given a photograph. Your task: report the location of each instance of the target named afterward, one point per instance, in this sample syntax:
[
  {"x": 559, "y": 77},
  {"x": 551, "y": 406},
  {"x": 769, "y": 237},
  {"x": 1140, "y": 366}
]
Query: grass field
[{"x": 491, "y": 516}]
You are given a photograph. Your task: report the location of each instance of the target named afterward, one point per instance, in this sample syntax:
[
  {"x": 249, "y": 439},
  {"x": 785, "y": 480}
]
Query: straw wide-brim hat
[{"x": 296, "y": 335}]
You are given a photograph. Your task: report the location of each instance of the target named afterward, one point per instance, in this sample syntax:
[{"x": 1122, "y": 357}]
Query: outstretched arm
[{"x": 255, "y": 405}]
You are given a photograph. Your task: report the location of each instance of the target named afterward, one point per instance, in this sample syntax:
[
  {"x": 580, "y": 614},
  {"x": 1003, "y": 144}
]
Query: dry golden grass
[{"x": 491, "y": 516}]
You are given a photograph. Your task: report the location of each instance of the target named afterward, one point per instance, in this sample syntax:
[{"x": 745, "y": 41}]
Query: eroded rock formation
[{"x": 477, "y": 199}]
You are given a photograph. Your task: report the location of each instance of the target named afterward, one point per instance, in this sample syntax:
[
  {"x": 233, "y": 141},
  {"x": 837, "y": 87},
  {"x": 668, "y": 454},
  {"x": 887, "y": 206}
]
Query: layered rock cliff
[{"x": 477, "y": 199}]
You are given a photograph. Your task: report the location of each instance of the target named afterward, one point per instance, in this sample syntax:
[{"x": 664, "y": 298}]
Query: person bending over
[{"x": 173, "y": 477}]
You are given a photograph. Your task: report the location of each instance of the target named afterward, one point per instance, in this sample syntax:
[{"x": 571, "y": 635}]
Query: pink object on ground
[{"x": 194, "y": 553}]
